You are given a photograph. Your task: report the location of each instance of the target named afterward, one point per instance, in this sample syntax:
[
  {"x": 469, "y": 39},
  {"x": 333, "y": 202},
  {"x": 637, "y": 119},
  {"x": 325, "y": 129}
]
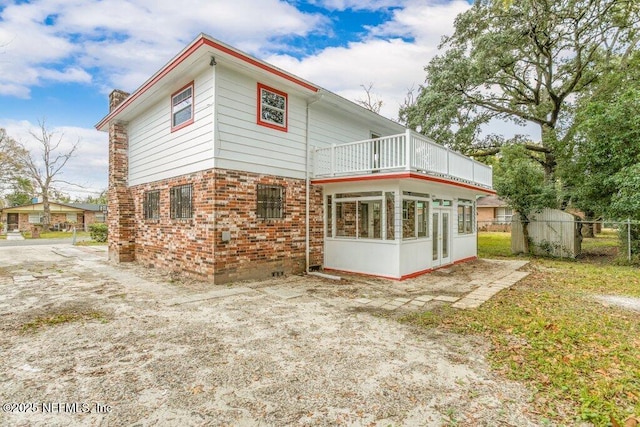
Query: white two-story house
[{"x": 225, "y": 167}]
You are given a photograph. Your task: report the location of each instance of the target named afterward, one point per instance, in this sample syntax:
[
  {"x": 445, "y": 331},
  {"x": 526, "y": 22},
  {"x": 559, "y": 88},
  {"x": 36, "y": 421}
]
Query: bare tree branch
[
  {"x": 45, "y": 167},
  {"x": 370, "y": 102}
]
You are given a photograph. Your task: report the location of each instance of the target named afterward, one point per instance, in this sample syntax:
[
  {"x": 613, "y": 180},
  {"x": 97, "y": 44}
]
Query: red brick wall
[
  {"x": 225, "y": 200},
  {"x": 179, "y": 245},
  {"x": 119, "y": 199},
  {"x": 260, "y": 247}
]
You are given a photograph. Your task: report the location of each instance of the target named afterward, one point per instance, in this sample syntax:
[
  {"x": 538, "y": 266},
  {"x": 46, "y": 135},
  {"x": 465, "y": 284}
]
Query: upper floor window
[
  {"x": 182, "y": 107},
  {"x": 272, "y": 108}
]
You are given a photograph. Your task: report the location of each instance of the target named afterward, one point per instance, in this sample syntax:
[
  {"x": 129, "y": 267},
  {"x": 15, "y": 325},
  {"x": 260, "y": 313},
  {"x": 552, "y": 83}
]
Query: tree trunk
[
  {"x": 549, "y": 140},
  {"x": 587, "y": 227},
  {"x": 46, "y": 218}
]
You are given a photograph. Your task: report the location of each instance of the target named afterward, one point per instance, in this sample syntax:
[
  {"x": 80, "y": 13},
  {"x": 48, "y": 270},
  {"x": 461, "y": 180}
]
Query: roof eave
[{"x": 200, "y": 41}]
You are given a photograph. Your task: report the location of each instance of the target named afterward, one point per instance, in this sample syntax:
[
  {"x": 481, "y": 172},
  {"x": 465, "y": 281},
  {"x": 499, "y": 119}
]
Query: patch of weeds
[
  {"x": 430, "y": 318},
  {"x": 61, "y": 317},
  {"x": 579, "y": 356},
  {"x": 450, "y": 418}
]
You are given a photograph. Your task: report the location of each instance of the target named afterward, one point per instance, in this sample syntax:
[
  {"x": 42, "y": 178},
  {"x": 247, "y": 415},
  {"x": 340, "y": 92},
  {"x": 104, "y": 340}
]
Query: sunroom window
[
  {"x": 357, "y": 215},
  {"x": 465, "y": 217},
  {"x": 415, "y": 215}
]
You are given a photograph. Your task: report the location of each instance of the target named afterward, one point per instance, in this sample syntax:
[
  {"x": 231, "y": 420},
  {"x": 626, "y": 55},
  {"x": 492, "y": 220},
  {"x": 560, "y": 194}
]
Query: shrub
[{"x": 98, "y": 232}]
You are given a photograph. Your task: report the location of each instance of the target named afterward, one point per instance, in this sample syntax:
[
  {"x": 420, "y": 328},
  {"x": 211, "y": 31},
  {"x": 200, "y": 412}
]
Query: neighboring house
[
  {"x": 63, "y": 215},
  {"x": 225, "y": 167},
  {"x": 494, "y": 214}
]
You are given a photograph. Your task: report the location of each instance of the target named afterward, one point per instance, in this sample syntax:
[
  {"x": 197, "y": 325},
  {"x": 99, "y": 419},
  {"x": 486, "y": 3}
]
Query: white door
[{"x": 441, "y": 227}]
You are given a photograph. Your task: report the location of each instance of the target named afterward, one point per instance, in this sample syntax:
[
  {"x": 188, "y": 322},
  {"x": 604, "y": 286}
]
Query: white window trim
[
  {"x": 35, "y": 218},
  {"x": 285, "y": 112},
  {"x": 177, "y": 126},
  {"x": 429, "y": 209}
]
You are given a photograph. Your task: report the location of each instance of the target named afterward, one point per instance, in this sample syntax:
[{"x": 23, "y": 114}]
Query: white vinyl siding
[
  {"x": 242, "y": 143},
  {"x": 155, "y": 152},
  {"x": 332, "y": 126}
]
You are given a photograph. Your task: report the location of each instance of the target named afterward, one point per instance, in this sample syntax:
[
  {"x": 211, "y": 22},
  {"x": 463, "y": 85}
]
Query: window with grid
[
  {"x": 180, "y": 203},
  {"x": 270, "y": 201},
  {"x": 272, "y": 108},
  {"x": 151, "y": 204},
  {"x": 182, "y": 107}
]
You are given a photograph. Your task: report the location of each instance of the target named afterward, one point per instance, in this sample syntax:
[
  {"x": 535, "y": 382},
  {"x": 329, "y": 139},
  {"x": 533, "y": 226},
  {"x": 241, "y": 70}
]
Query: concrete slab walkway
[{"x": 482, "y": 288}]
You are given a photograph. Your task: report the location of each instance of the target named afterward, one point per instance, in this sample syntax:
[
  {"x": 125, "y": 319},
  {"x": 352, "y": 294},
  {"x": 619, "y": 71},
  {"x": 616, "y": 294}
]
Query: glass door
[{"x": 441, "y": 237}]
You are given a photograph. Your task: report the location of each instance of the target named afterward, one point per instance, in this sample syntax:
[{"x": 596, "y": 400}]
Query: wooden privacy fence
[
  {"x": 557, "y": 233},
  {"x": 551, "y": 232}
]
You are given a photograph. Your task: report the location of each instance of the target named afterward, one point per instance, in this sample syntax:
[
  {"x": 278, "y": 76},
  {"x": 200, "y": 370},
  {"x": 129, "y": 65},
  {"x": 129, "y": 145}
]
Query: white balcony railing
[{"x": 408, "y": 151}]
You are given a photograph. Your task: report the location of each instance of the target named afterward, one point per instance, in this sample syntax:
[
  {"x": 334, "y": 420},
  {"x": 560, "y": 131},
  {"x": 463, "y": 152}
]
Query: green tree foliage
[
  {"x": 10, "y": 150},
  {"x": 524, "y": 61},
  {"x": 100, "y": 199},
  {"x": 21, "y": 192},
  {"x": 521, "y": 182},
  {"x": 602, "y": 167}
]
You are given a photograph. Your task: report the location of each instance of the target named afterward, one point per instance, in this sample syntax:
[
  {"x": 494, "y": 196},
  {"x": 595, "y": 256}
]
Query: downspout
[{"x": 307, "y": 249}]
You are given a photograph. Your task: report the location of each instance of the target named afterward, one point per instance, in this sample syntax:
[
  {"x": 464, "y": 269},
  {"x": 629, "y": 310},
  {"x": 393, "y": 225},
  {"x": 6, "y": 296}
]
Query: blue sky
[{"x": 59, "y": 59}]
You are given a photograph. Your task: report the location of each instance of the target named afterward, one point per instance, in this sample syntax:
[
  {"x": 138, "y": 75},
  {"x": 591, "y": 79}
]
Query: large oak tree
[{"x": 526, "y": 61}]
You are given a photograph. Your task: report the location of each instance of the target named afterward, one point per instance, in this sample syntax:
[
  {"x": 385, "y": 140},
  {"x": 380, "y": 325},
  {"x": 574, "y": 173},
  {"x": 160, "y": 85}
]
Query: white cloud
[
  {"x": 393, "y": 65},
  {"x": 357, "y": 4},
  {"x": 127, "y": 40},
  {"x": 71, "y": 74}
]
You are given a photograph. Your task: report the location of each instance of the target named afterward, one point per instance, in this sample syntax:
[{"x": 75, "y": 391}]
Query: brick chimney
[
  {"x": 116, "y": 97},
  {"x": 121, "y": 210}
]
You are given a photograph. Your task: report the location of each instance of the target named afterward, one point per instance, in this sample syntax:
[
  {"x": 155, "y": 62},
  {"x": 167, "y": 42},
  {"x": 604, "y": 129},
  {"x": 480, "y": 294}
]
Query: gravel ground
[{"x": 132, "y": 347}]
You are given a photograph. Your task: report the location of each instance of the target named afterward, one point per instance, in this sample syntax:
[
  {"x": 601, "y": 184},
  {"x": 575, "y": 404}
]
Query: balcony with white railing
[{"x": 408, "y": 151}]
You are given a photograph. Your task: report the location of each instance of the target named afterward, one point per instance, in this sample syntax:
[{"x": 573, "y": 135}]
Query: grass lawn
[
  {"x": 579, "y": 356},
  {"x": 57, "y": 234}
]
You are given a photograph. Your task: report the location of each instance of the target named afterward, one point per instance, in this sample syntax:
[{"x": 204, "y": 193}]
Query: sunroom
[{"x": 398, "y": 206}]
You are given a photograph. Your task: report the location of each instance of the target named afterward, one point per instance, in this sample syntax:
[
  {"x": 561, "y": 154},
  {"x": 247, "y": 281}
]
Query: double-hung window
[
  {"x": 272, "y": 108},
  {"x": 504, "y": 215},
  {"x": 180, "y": 202},
  {"x": 36, "y": 218},
  {"x": 182, "y": 107}
]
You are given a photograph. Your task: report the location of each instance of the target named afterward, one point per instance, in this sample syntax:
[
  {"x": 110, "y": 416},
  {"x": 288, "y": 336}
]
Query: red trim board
[
  {"x": 406, "y": 276},
  {"x": 201, "y": 41},
  {"x": 400, "y": 175}
]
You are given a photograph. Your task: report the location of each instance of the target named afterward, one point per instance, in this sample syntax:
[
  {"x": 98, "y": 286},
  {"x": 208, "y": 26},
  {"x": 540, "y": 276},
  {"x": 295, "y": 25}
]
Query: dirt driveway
[{"x": 88, "y": 343}]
